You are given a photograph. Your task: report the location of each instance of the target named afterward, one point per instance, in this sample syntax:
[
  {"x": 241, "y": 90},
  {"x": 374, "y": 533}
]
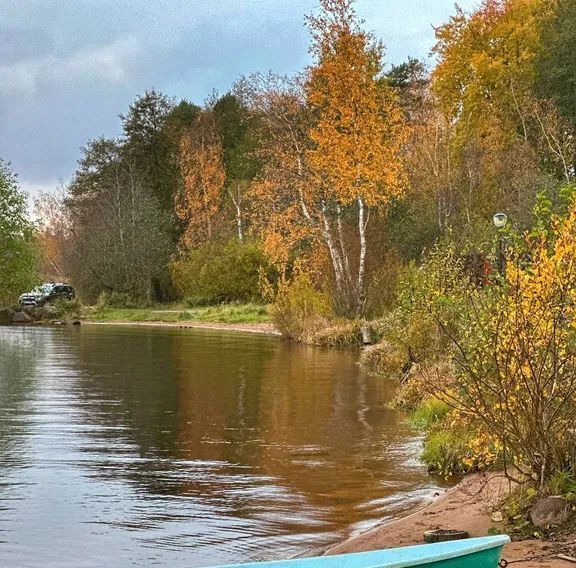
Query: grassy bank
[{"x": 225, "y": 313}]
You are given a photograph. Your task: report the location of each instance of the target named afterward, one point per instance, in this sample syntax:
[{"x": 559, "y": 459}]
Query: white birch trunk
[
  {"x": 334, "y": 254},
  {"x": 362, "y": 222},
  {"x": 237, "y": 200}
]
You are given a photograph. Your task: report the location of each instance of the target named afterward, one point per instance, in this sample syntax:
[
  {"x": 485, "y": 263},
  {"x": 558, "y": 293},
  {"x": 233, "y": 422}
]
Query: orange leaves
[
  {"x": 334, "y": 144},
  {"x": 203, "y": 179},
  {"x": 359, "y": 132}
]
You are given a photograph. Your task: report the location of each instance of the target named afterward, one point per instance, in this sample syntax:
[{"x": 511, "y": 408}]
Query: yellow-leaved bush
[{"x": 515, "y": 360}]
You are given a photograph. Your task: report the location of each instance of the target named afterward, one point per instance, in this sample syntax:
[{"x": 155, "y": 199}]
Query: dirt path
[
  {"x": 265, "y": 328},
  {"x": 467, "y": 506}
]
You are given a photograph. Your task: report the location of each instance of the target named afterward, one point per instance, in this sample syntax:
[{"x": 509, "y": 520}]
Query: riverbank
[
  {"x": 262, "y": 328},
  {"x": 468, "y": 506},
  {"x": 252, "y": 318}
]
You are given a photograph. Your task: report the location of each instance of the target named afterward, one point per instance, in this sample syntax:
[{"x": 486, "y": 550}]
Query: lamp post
[{"x": 500, "y": 220}]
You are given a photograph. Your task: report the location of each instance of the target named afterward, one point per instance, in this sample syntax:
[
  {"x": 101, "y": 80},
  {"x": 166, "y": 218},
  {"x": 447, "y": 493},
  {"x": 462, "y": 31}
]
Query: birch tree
[{"x": 356, "y": 139}]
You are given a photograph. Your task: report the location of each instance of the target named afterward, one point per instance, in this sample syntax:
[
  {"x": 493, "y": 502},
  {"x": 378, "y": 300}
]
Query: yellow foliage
[{"x": 516, "y": 384}]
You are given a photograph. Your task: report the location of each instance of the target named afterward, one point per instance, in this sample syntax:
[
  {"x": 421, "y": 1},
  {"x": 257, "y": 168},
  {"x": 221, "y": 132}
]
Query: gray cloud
[
  {"x": 104, "y": 63},
  {"x": 69, "y": 67}
]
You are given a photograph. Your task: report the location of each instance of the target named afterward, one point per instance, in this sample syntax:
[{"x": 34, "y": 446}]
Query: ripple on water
[{"x": 166, "y": 447}]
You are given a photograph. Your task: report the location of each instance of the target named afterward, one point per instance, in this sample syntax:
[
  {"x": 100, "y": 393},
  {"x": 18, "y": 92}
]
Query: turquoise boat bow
[{"x": 470, "y": 553}]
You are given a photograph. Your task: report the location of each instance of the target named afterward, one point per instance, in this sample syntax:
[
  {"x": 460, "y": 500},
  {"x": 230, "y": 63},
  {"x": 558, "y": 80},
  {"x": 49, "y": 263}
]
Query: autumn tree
[
  {"x": 486, "y": 62},
  {"x": 203, "y": 179},
  {"x": 283, "y": 215},
  {"x": 54, "y": 230},
  {"x": 331, "y": 153},
  {"x": 356, "y": 138},
  {"x": 484, "y": 87}
]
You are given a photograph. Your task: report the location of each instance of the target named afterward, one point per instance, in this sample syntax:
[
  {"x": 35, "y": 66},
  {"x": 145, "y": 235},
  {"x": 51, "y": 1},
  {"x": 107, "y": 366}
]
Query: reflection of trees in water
[
  {"x": 257, "y": 428},
  {"x": 220, "y": 390},
  {"x": 21, "y": 350},
  {"x": 328, "y": 431},
  {"x": 166, "y": 396},
  {"x": 127, "y": 391}
]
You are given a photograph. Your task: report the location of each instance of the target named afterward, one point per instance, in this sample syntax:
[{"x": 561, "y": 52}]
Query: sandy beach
[
  {"x": 467, "y": 506},
  {"x": 263, "y": 328}
]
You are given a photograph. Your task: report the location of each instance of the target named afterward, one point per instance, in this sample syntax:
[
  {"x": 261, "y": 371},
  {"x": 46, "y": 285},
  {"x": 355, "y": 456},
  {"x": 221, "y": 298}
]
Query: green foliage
[
  {"x": 18, "y": 254},
  {"x": 300, "y": 309},
  {"x": 230, "y": 313},
  {"x": 429, "y": 298},
  {"x": 444, "y": 451},
  {"x": 556, "y": 64},
  {"x": 412, "y": 226},
  {"x": 66, "y": 309},
  {"x": 239, "y": 141},
  {"x": 147, "y": 140},
  {"x": 121, "y": 239},
  {"x": 429, "y": 412},
  {"x": 563, "y": 483},
  {"x": 115, "y": 300},
  {"x": 493, "y": 531},
  {"x": 549, "y": 204},
  {"x": 219, "y": 272}
]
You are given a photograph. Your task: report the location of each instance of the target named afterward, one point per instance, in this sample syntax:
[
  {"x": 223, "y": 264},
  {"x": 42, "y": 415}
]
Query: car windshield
[{"x": 44, "y": 289}]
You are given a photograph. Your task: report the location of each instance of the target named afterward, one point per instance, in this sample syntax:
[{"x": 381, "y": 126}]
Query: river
[{"x": 167, "y": 447}]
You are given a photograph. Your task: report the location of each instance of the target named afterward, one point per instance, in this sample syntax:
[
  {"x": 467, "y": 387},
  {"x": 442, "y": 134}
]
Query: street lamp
[{"x": 500, "y": 221}]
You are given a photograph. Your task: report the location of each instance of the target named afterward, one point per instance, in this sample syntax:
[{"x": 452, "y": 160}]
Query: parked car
[{"x": 47, "y": 293}]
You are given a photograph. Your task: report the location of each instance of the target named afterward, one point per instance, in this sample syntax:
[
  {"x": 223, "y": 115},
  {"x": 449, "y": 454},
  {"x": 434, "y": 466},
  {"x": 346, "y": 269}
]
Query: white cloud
[{"x": 107, "y": 63}]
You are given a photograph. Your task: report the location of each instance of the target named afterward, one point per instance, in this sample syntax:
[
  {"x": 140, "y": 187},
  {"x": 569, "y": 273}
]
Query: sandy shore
[
  {"x": 263, "y": 328},
  {"x": 468, "y": 506}
]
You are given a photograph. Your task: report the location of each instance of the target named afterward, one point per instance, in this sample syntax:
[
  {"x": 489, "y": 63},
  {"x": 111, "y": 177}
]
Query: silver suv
[{"x": 46, "y": 293}]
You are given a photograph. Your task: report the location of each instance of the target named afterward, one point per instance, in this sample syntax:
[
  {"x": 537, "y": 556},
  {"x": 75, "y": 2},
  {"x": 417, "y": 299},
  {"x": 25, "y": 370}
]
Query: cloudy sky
[{"x": 69, "y": 67}]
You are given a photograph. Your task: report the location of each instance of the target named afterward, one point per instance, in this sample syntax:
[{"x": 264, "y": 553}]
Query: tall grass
[{"x": 225, "y": 313}]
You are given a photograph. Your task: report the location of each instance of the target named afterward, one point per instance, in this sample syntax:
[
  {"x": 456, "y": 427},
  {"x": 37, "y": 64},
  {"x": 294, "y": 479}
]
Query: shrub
[
  {"x": 429, "y": 412},
  {"x": 340, "y": 333},
  {"x": 515, "y": 358},
  {"x": 444, "y": 452},
  {"x": 385, "y": 358},
  {"x": 429, "y": 299},
  {"x": 300, "y": 309},
  {"x": 219, "y": 272},
  {"x": 381, "y": 290},
  {"x": 67, "y": 309}
]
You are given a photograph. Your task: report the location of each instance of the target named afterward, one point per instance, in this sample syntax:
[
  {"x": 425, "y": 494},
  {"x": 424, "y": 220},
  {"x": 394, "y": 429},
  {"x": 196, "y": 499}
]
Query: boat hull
[
  {"x": 470, "y": 553},
  {"x": 483, "y": 559}
]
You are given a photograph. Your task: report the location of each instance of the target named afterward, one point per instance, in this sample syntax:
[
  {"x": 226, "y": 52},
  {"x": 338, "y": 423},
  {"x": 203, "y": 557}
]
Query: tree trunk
[
  {"x": 360, "y": 285},
  {"x": 237, "y": 204},
  {"x": 334, "y": 254}
]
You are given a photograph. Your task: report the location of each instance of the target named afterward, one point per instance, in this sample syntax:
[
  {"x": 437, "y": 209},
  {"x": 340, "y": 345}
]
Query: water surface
[{"x": 137, "y": 446}]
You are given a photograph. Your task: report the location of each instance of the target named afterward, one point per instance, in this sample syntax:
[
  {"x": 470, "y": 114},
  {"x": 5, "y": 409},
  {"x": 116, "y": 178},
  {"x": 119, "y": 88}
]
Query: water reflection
[
  {"x": 18, "y": 359},
  {"x": 169, "y": 447}
]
